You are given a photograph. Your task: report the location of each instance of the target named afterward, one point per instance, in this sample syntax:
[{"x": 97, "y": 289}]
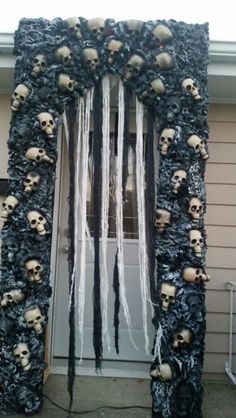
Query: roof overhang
[{"x": 221, "y": 70}]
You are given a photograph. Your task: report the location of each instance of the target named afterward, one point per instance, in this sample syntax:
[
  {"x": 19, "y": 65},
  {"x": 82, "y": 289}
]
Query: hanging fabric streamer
[
  {"x": 105, "y": 206},
  {"x": 140, "y": 186}
]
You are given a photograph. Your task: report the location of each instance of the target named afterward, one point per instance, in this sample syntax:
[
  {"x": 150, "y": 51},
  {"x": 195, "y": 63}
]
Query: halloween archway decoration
[{"x": 62, "y": 68}]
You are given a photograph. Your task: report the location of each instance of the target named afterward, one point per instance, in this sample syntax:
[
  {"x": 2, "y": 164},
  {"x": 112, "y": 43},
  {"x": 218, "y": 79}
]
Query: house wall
[{"x": 220, "y": 223}]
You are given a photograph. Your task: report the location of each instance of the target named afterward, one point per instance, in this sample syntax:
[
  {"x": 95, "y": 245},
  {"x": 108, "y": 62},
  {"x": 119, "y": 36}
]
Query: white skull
[
  {"x": 195, "y": 275},
  {"x": 198, "y": 145},
  {"x": 34, "y": 270},
  {"x": 163, "y": 372},
  {"x": 156, "y": 88},
  {"x": 113, "y": 47},
  {"x": 168, "y": 293},
  {"x": 63, "y": 55},
  {"x": 182, "y": 338},
  {"x": 31, "y": 182},
  {"x": 37, "y": 154},
  {"x": 91, "y": 59},
  {"x": 34, "y": 319},
  {"x": 66, "y": 83},
  {"x": 39, "y": 64},
  {"x": 134, "y": 25},
  {"x": 37, "y": 221},
  {"x": 195, "y": 209},
  {"x": 74, "y": 26},
  {"x": 47, "y": 123},
  {"x": 179, "y": 178},
  {"x": 163, "y": 60},
  {"x": 190, "y": 86},
  {"x": 8, "y": 207},
  {"x": 18, "y": 97},
  {"x": 196, "y": 242},
  {"x": 162, "y": 33},
  {"x": 97, "y": 27},
  {"x": 166, "y": 139},
  {"x": 13, "y": 296},
  {"x": 162, "y": 220},
  {"x": 22, "y": 355},
  {"x": 134, "y": 66}
]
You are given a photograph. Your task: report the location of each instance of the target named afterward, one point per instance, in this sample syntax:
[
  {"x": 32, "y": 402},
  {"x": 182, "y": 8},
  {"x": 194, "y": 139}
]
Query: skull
[
  {"x": 47, "y": 123},
  {"x": 91, "y": 59},
  {"x": 63, "y": 56},
  {"x": 172, "y": 107},
  {"x": 134, "y": 26},
  {"x": 18, "y": 97},
  {"x": 162, "y": 33},
  {"x": 156, "y": 88},
  {"x": 8, "y": 207},
  {"x": 66, "y": 83},
  {"x": 31, "y": 182},
  {"x": 196, "y": 242},
  {"x": 34, "y": 319},
  {"x": 74, "y": 26},
  {"x": 195, "y": 209},
  {"x": 182, "y": 338},
  {"x": 162, "y": 219},
  {"x": 113, "y": 47},
  {"x": 195, "y": 275},
  {"x": 134, "y": 66},
  {"x": 163, "y": 60},
  {"x": 197, "y": 144},
  {"x": 11, "y": 248},
  {"x": 37, "y": 154},
  {"x": 162, "y": 372},
  {"x": 168, "y": 293},
  {"x": 166, "y": 139},
  {"x": 97, "y": 27},
  {"x": 190, "y": 86},
  {"x": 37, "y": 221},
  {"x": 34, "y": 270},
  {"x": 178, "y": 180},
  {"x": 39, "y": 64},
  {"x": 13, "y": 296},
  {"x": 22, "y": 355}
]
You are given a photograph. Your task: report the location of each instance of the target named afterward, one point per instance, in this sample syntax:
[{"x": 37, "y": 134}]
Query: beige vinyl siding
[{"x": 220, "y": 221}]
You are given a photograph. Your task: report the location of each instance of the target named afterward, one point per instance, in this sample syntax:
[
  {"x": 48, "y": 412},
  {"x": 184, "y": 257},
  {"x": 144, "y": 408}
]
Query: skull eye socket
[
  {"x": 30, "y": 322},
  {"x": 78, "y": 26},
  {"x": 179, "y": 338},
  {"x": 152, "y": 92},
  {"x": 95, "y": 31},
  {"x": 171, "y": 298},
  {"x": 70, "y": 85},
  {"x": 163, "y": 296},
  {"x": 201, "y": 240},
  {"x": 40, "y": 151},
  {"x": 35, "y": 61},
  {"x": 194, "y": 241},
  {"x": 169, "y": 140},
  {"x": 38, "y": 317},
  {"x": 88, "y": 62},
  {"x": 41, "y": 218},
  {"x": 193, "y": 208},
  {"x": 188, "y": 87},
  {"x": 51, "y": 122},
  {"x": 33, "y": 222},
  {"x": 197, "y": 147},
  {"x": 44, "y": 123},
  {"x": 31, "y": 271},
  {"x": 183, "y": 180},
  {"x": 162, "y": 139},
  {"x": 43, "y": 64},
  {"x": 17, "y": 356},
  {"x": 22, "y": 98},
  {"x": 9, "y": 297},
  {"x": 35, "y": 184},
  {"x": 4, "y": 205},
  {"x": 10, "y": 207},
  {"x": 176, "y": 177},
  {"x": 135, "y": 71},
  {"x": 37, "y": 158},
  {"x": 27, "y": 180},
  {"x": 197, "y": 271},
  {"x": 15, "y": 94},
  {"x": 24, "y": 353},
  {"x": 95, "y": 60},
  {"x": 37, "y": 268},
  {"x": 194, "y": 84},
  {"x": 66, "y": 59},
  {"x": 129, "y": 66}
]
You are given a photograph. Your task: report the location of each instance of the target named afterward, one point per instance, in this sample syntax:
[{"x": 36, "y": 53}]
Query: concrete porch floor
[{"x": 94, "y": 392}]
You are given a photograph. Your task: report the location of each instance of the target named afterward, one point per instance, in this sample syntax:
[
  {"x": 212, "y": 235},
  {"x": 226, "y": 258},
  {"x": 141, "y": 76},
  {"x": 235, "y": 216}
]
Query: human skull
[
  {"x": 13, "y": 296},
  {"x": 37, "y": 221},
  {"x": 74, "y": 26},
  {"x": 114, "y": 47},
  {"x": 163, "y": 60},
  {"x": 47, "y": 123},
  {"x": 63, "y": 56},
  {"x": 190, "y": 86},
  {"x": 162, "y": 372},
  {"x": 8, "y": 207},
  {"x": 22, "y": 355},
  {"x": 195, "y": 209},
  {"x": 34, "y": 270},
  {"x": 18, "y": 97},
  {"x": 162, "y": 33},
  {"x": 66, "y": 83},
  {"x": 172, "y": 107},
  {"x": 34, "y": 319},
  {"x": 196, "y": 242},
  {"x": 178, "y": 180},
  {"x": 168, "y": 293},
  {"x": 31, "y": 182},
  {"x": 97, "y": 27},
  {"x": 163, "y": 218},
  {"x": 91, "y": 59},
  {"x": 37, "y": 154},
  {"x": 39, "y": 65},
  {"x": 182, "y": 338},
  {"x": 198, "y": 145},
  {"x": 134, "y": 26},
  {"x": 134, "y": 67},
  {"x": 156, "y": 88},
  {"x": 195, "y": 275},
  {"x": 166, "y": 139}
]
